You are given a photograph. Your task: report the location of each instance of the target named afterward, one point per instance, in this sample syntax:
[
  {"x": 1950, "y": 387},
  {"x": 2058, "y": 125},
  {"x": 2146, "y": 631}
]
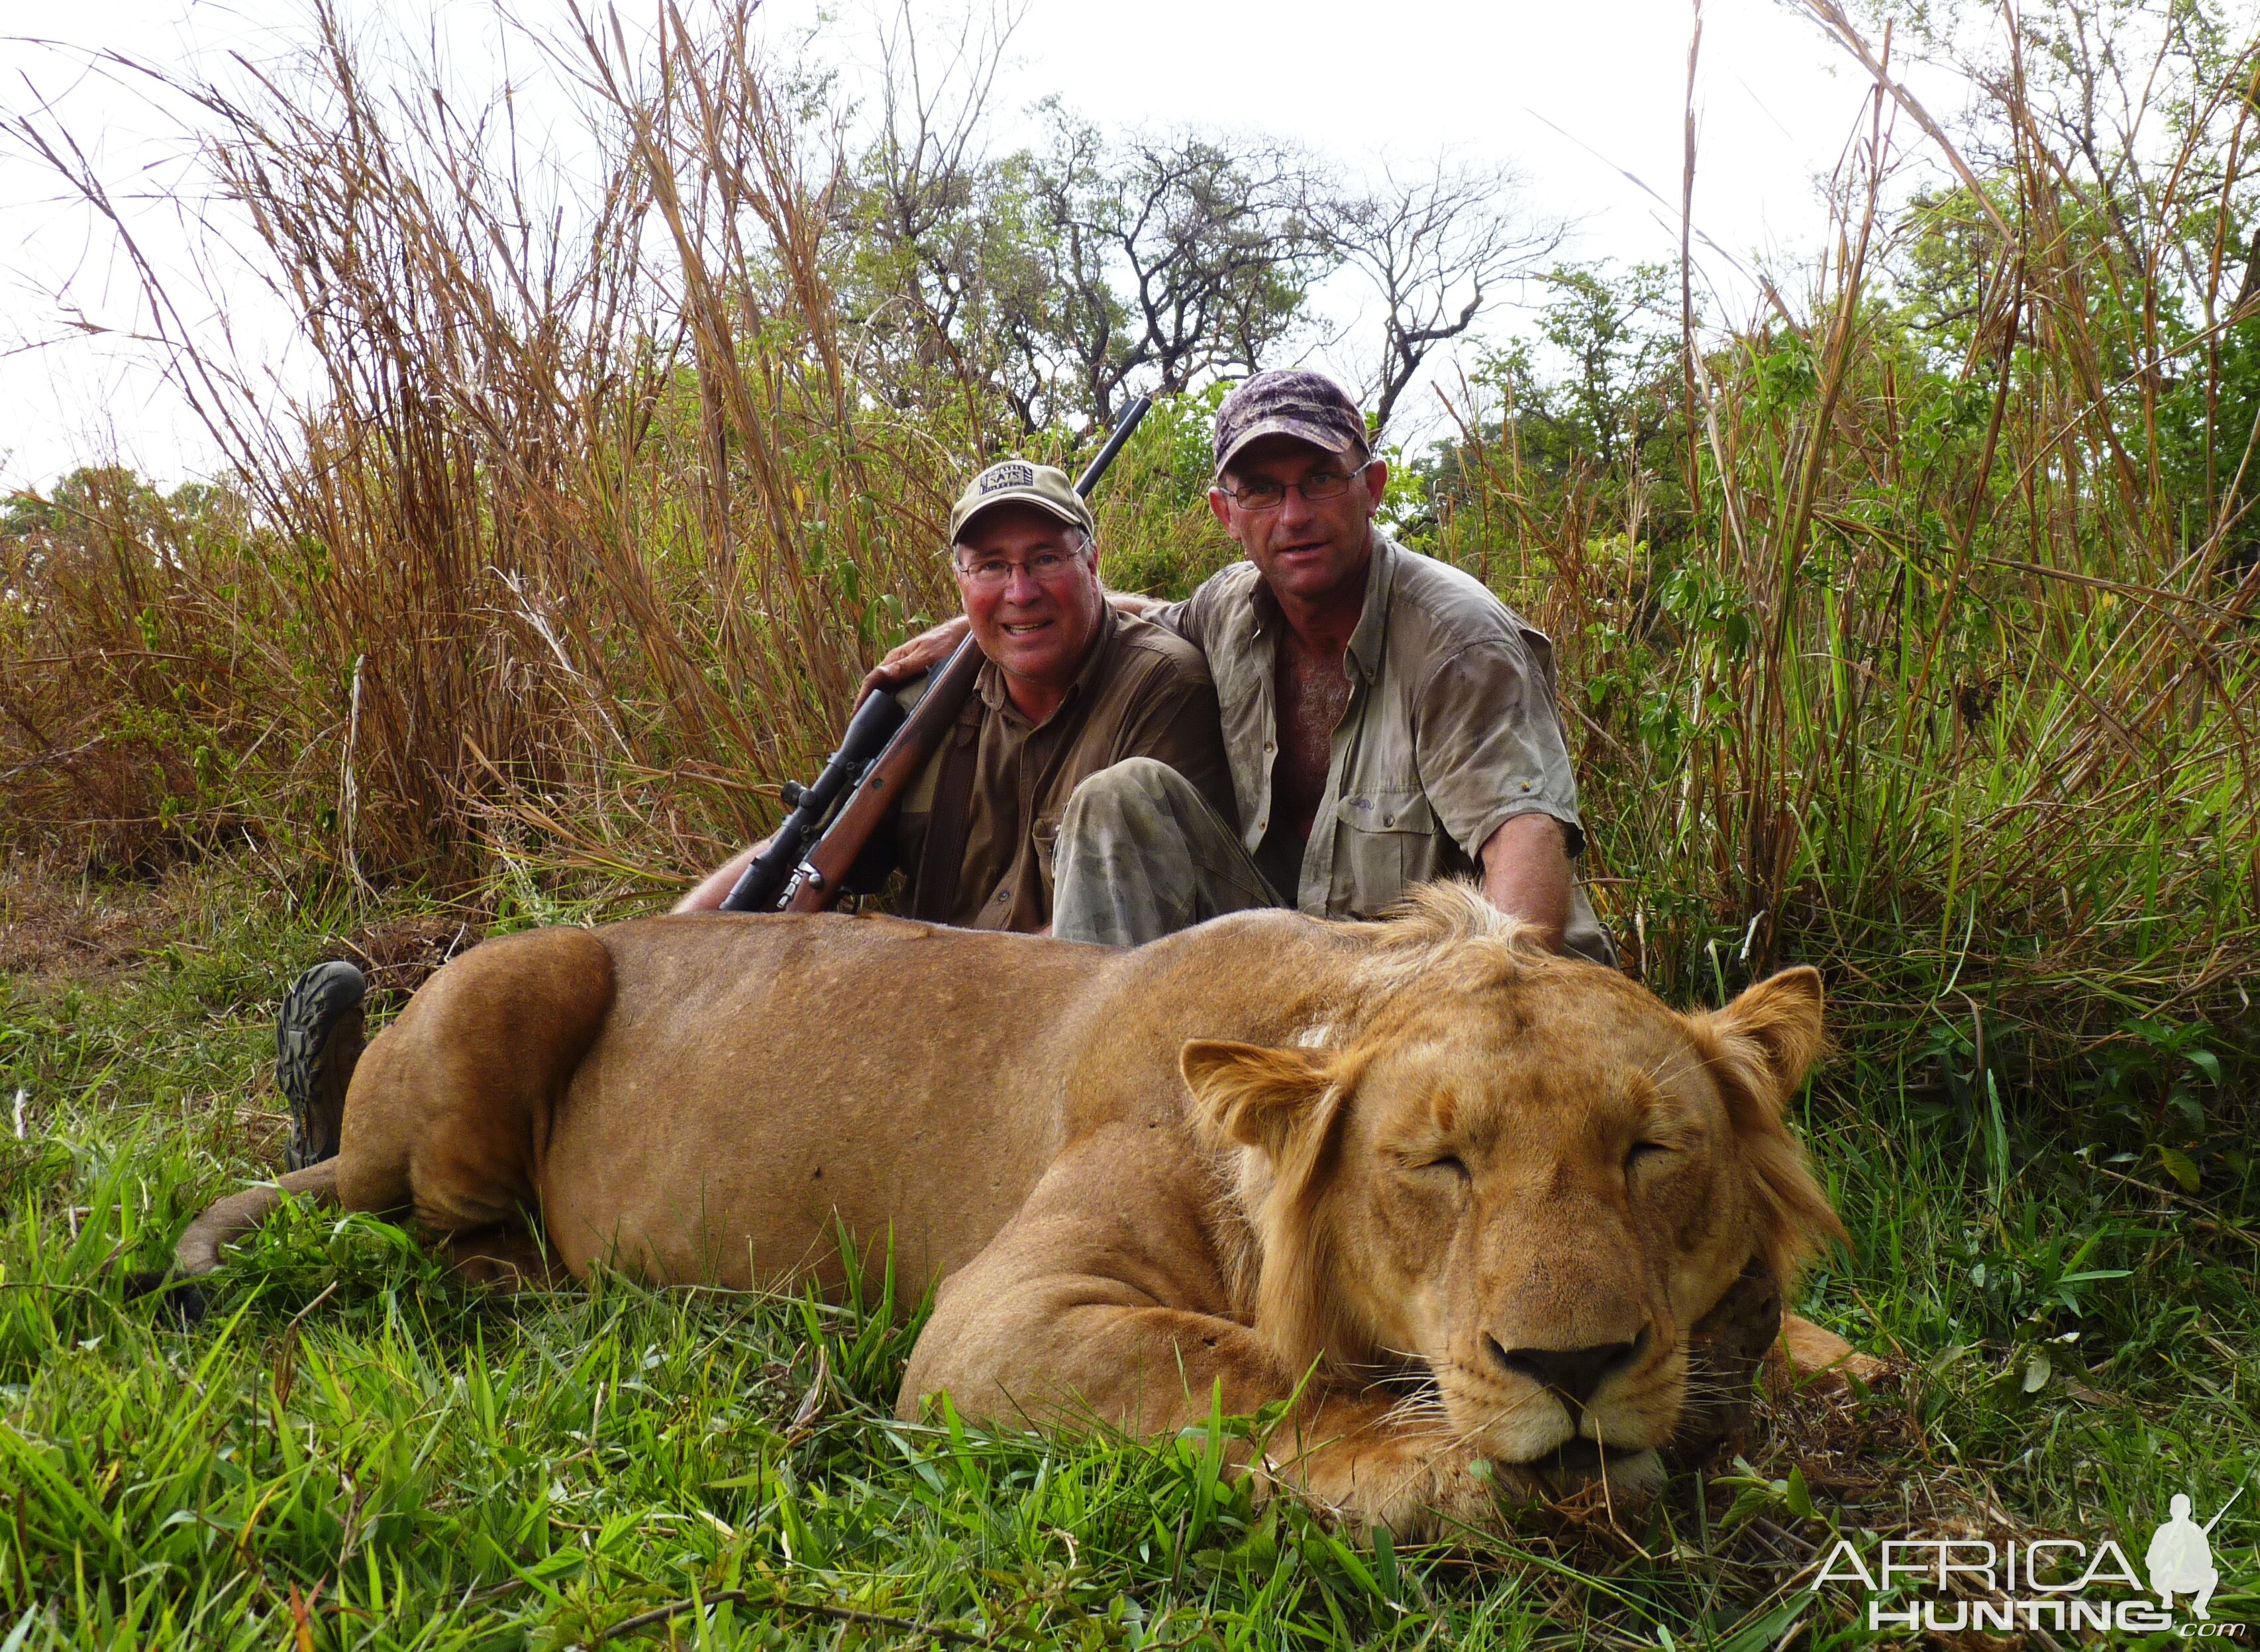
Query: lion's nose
[{"x": 1575, "y": 1373}]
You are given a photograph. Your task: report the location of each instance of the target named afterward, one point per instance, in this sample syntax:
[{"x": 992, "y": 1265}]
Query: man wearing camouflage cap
[
  {"x": 1387, "y": 719},
  {"x": 1071, "y": 687}
]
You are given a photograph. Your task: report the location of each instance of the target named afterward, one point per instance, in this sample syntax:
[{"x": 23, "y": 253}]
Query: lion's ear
[
  {"x": 1761, "y": 1047},
  {"x": 1252, "y": 1094},
  {"x": 1771, "y": 1035}
]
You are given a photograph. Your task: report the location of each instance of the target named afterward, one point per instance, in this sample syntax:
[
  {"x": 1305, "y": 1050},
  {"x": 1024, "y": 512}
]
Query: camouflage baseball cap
[
  {"x": 1289, "y": 401},
  {"x": 1018, "y": 481}
]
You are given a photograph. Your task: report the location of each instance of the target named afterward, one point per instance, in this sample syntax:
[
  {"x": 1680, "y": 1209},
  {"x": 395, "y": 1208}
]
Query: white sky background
[{"x": 1568, "y": 95}]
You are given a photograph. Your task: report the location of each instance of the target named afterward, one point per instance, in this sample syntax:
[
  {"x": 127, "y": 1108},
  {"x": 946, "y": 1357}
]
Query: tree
[
  {"x": 1435, "y": 247},
  {"x": 1065, "y": 277},
  {"x": 1170, "y": 260},
  {"x": 1617, "y": 333},
  {"x": 926, "y": 252}
]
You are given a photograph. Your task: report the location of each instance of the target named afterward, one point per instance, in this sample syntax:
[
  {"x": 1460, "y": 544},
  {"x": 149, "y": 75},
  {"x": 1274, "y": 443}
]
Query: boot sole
[{"x": 321, "y": 1004}]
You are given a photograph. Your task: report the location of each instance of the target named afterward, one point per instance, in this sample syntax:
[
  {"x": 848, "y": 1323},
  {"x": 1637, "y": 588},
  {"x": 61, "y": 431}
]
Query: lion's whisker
[{"x": 1659, "y": 1076}]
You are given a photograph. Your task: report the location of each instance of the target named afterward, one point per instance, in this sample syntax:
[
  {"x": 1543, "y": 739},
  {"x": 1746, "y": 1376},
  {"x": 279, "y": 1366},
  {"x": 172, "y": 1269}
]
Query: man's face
[
  {"x": 1306, "y": 549},
  {"x": 1030, "y": 586}
]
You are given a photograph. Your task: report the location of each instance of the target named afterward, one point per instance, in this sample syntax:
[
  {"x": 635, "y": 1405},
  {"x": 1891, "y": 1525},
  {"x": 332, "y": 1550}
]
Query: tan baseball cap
[{"x": 1018, "y": 481}]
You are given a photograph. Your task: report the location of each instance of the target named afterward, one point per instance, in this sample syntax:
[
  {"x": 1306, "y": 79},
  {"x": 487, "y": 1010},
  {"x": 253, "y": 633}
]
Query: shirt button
[
  {"x": 1389, "y": 819},
  {"x": 1526, "y": 785}
]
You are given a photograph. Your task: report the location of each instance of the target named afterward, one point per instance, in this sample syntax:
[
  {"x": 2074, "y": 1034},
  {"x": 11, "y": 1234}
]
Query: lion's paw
[
  {"x": 1420, "y": 1495},
  {"x": 1806, "y": 1354},
  {"x": 1416, "y": 1489}
]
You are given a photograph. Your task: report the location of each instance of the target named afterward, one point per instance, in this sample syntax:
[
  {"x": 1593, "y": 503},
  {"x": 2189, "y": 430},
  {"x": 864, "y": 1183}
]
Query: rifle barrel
[
  {"x": 2225, "y": 1507},
  {"x": 1088, "y": 480}
]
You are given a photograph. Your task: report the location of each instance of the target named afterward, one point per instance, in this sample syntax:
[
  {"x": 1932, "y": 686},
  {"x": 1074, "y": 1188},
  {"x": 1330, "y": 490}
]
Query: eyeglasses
[
  {"x": 1316, "y": 489},
  {"x": 996, "y": 572}
]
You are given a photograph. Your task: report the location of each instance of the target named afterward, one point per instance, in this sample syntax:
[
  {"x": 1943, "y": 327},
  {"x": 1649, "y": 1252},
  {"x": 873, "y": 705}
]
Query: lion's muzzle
[{"x": 1573, "y": 1375}]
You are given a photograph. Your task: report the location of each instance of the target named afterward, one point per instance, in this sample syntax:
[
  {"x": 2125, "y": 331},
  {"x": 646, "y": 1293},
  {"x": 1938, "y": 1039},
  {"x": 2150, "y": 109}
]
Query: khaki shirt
[
  {"x": 1451, "y": 730},
  {"x": 1142, "y": 692}
]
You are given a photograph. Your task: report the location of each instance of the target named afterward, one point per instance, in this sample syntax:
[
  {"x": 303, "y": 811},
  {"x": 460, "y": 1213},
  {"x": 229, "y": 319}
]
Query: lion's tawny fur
[{"x": 1223, "y": 1161}]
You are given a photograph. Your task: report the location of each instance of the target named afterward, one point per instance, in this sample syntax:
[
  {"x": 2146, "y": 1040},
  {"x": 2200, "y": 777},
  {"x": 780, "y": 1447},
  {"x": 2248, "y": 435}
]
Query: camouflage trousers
[{"x": 1141, "y": 855}]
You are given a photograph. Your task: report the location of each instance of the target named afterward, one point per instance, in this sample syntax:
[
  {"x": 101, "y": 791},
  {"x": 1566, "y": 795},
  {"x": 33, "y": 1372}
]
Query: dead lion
[{"x": 1466, "y": 1201}]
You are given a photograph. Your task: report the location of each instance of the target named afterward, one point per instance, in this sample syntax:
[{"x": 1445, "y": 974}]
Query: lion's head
[{"x": 1525, "y": 1174}]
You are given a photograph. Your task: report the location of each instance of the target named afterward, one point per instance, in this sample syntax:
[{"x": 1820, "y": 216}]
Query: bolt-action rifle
[{"x": 806, "y": 865}]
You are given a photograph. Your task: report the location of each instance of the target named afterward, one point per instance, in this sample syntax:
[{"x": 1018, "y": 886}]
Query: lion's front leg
[
  {"x": 1103, "y": 1301},
  {"x": 1369, "y": 1462}
]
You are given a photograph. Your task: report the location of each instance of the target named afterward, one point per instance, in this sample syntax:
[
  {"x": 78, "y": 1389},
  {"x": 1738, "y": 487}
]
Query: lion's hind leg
[
  {"x": 451, "y": 1109},
  {"x": 506, "y": 1256}
]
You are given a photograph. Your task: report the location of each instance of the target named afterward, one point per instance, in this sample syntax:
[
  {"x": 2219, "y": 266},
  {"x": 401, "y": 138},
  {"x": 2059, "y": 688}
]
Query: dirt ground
[
  {"x": 57, "y": 931},
  {"x": 60, "y": 930}
]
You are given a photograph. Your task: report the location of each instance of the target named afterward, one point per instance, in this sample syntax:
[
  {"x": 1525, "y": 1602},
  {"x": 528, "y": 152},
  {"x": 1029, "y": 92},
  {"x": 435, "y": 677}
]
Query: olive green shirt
[
  {"x": 1142, "y": 692},
  {"x": 1450, "y": 732}
]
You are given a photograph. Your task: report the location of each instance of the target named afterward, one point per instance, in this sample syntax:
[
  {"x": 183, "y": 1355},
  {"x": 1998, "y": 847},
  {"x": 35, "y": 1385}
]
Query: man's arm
[
  {"x": 715, "y": 888},
  {"x": 1525, "y": 874},
  {"x": 1490, "y": 756}
]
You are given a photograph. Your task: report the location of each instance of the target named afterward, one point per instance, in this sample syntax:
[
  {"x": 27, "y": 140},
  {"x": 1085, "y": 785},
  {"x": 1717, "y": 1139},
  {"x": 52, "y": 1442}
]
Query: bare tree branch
[
  {"x": 1435, "y": 244},
  {"x": 1176, "y": 258}
]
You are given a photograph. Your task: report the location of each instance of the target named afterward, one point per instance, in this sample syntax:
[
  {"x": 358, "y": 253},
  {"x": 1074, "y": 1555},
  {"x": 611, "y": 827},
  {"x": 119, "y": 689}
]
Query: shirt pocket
[
  {"x": 1387, "y": 844},
  {"x": 1045, "y": 836}
]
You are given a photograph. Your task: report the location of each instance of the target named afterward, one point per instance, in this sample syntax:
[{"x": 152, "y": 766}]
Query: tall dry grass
[
  {"x": 1944, "y": 683},
  {"x": 588, "y": 530}
]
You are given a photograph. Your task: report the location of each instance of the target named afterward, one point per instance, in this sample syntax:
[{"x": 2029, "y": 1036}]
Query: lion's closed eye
[{"x": 1430, "y": 1164}]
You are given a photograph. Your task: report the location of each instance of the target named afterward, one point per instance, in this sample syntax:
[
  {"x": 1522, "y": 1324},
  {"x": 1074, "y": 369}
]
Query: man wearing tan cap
[
  {"x": 1387, "y": 719},
  {"x": 1070, "y": 688}
]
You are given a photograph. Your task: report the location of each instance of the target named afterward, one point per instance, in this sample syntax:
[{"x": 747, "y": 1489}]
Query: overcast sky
[{"x": 1575, "y": 97}]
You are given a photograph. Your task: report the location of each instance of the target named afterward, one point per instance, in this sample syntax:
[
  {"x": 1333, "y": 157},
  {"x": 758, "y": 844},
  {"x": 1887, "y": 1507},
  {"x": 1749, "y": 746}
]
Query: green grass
[{"x": 434, "y": 1467}]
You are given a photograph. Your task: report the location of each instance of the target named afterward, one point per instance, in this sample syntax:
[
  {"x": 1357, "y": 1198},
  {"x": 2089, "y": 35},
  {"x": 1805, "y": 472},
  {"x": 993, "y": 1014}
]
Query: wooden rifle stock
[{"x": 818, "y": 880}]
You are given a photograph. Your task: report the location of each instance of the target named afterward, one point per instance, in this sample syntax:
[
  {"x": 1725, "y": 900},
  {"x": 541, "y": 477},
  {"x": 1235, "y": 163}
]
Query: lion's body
[
  {"x": 1123, "y": 1216},
  {"x": 713, "y": 1100}
]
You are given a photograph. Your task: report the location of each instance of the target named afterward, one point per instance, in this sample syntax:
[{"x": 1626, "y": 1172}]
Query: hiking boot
[{"x": 317, "y": 1038}]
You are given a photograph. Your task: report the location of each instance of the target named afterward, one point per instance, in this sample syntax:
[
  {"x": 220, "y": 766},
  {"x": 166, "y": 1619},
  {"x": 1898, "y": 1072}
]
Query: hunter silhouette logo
[
  {"x": 2180, "y": 1557},
  {"x": 1961, "y": 1584}
]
